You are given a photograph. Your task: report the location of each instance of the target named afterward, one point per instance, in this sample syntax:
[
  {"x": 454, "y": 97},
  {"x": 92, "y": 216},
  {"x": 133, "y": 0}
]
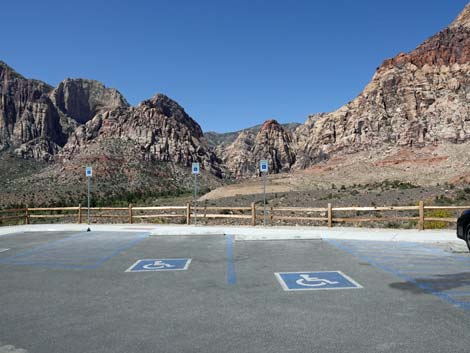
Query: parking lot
[{"x": 127, "y": 291}]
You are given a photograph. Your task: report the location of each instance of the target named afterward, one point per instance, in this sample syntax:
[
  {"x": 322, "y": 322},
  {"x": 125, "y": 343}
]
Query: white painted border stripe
[
  {"x": 188, "y": 261},
  {"x": 286, "y": 288}
]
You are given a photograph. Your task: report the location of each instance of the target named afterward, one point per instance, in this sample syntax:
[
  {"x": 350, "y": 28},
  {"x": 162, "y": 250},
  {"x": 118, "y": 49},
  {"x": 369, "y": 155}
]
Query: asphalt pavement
[{"x": 89, "y": 292}]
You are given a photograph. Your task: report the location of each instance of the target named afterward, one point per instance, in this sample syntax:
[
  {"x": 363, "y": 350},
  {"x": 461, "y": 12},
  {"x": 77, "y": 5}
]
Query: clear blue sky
[{"x": 230, "y": 63}]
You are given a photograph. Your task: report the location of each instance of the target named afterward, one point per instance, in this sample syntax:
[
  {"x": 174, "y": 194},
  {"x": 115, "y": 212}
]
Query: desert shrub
[
  {"x": 442, "y": 200},
  {"x": 410, "y": 225},
  {"x": 462, "y": 195},
  {"x": 437, "y": 214},
  {"x": 392, "y": 225}
]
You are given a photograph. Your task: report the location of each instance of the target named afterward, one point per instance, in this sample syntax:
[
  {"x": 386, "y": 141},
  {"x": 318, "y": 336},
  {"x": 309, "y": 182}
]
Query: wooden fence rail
[{"x": 254, "y": 214}]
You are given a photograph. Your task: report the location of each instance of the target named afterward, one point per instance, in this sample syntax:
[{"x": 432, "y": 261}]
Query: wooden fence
[{"x": 252, "y": 214}]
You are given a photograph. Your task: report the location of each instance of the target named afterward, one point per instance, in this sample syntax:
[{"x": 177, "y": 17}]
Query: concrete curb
[
  {"x": 247, "y": 233},
  {"x": 241, "y": 233},
  {"x": 74, "y": 228}
]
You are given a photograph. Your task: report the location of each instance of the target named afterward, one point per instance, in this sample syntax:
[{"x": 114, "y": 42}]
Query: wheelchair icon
[
  {"x": 157, "y": 265},
  {"x": 307, "y": 281}
]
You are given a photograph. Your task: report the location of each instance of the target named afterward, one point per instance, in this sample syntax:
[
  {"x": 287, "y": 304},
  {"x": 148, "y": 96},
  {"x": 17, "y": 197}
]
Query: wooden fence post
[
  {"x": 253, "y": 213},
  {"x": 205, "y": 211},
  {"x": 79, "y": 213},
  {"x": 130, "y": 213},
  {"x": 26, "y": 215},
  {"x": 330, "y": 216},
  {"x": 188, "y": 213},
  {"x": 421, "y": 215}
]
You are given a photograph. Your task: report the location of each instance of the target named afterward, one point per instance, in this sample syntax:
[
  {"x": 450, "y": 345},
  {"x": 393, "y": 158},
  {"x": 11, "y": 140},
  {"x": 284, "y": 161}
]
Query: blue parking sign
[
  {"x": 151, "y": 265},
  {"x": 263, "y": 166},
  {"x": 195, "y": 168},
  {"x": 291, "y": 281}
]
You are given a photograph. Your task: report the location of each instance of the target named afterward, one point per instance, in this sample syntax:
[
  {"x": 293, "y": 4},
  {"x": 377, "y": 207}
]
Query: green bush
[{"x": 437, "y": 214}]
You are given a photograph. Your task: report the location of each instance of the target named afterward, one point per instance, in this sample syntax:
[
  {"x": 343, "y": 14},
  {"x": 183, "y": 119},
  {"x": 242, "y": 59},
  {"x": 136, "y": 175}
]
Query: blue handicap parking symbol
[
  {"x": 147, "y": 265},
  {"x": 315, "y": 280}
]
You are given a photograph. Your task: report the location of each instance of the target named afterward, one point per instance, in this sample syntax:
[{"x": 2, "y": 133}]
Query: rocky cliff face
[
  {"x": 238, "y": 156},
  {"x": 147, "y": 147},
  {"x": 222, "y": 140},
  {"x": 413, "y": 100},
  {"x": 159, "y": 129},
  {"x": 272, "y": 142},
  {"x": 36, "y": 120},
  {"x": 83, "y": 99},
  {"x": 29, "y": 122},
  {"x": 416, "y": 99}
]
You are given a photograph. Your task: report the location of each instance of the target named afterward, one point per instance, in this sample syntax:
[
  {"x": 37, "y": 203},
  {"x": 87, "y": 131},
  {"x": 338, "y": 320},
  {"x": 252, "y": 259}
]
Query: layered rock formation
[
  {"x": 159, "y": 129},
  {"x": 28, "y": 119},
  {"x": 413, "y": 100},
  {"x": 238, "y": 156},
  {"x": 37, "y": 120},
  {"x": 82, "y": 99},
  {"x": 80, "y": 122},
  {"x": 272, "y": 142}
]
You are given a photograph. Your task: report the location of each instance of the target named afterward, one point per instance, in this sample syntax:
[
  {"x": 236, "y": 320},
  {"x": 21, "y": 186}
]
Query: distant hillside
[{"x": 216, "y": 139}]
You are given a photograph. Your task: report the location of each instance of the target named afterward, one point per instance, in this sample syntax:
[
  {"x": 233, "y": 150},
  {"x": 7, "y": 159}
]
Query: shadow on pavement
[{"x": 435, "y": 283}]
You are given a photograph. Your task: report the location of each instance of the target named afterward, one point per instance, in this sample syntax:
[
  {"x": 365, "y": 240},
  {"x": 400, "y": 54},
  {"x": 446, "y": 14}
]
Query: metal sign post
[
  {"x": 195, "y": 171},
  {"x": 263, "y": 167},
  {"x": 88, "y": 174}
]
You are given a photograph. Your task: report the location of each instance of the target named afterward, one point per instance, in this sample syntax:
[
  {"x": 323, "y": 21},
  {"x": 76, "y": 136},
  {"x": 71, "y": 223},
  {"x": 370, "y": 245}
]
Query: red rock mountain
[
  {"x": 137, "y": 150},
  {"x": 40, "y": 122},
  {"x": 158, "y": 129},
  {"x": 82, "y": 99},
  {"x": 37, "y": 120},
  {"x": 413, "y": 100},
  {"x": 272, "y": 142},
  {"x": 29, "y": 120}
]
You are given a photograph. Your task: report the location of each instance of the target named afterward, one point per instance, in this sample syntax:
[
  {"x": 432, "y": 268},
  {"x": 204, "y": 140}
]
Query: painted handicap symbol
[
  {"x": 147, "y": 265},
  {"x": 157, "y": 265},
  {"x": 298, "y": 281},
  {"x": 307, "y": 281}
]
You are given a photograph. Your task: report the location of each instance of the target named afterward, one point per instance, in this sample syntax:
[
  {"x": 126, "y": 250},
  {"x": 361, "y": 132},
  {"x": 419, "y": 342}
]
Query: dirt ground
[{"x": 390, "y": 177}]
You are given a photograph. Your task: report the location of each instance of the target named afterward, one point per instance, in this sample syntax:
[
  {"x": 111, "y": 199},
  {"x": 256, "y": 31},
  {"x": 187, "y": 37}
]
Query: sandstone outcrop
[
  {"x": 29, "y": 121},
  {"x": 82, "y": 99},
  {"x": 158, "y": 128},
  {"x": 82, "y": 118},
  {"x": 272, "y": 142},
  {"x": 415, "y": 99}
]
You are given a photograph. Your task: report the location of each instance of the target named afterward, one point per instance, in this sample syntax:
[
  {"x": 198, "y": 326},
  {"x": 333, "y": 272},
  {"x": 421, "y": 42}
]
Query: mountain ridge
[{"x": 414, "y": 100}]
